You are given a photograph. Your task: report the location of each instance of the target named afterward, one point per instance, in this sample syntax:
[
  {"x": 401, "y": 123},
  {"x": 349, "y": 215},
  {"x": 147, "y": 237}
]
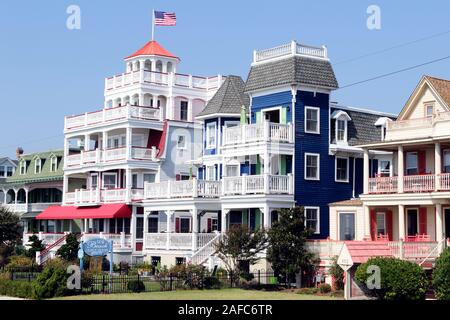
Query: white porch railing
[
  {"x": 140, "y": 153},
  {"x": 111, "y": 114},
  {"x": 260, "y": 132},
  {"x": 115, "y": 154},
  {"x": 18, "y": 208},
  {"x": 113, "y": 195},
  {"x": 443, "y": 181},
  {"x": 383, "y": 185},
  {"x": 120, "y": 240},
  {"x": 96, "y": 196},
  {"x": 258, "y": 184},
  {"x": 291, "y": 48},
  {"x": 422, "y": 183},
  {"x": 325, "y": 249},
  {"x": 182, "y": 189},
  {"x": 177, "y": 241},
  {"x": 414, "y": 251},
  {"x": 206, "y": 250},
  {"x": 47, "y": 238}
]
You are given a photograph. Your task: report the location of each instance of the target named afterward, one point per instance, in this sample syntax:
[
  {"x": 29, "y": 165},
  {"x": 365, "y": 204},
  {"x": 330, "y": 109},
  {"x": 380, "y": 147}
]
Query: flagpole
[{"x": 153, "y": 25}]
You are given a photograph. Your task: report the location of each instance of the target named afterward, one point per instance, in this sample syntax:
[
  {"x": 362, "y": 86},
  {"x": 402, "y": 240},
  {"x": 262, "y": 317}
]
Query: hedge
[
  {"x": 441, "y": 276},
  {"x": 20, "y": 289},
  {"x": 400, "y": 280}
]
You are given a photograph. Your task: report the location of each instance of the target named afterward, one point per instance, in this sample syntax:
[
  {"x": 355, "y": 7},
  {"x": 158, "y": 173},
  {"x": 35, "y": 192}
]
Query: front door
[
  {"x": 346, "y": 226},
  {"x": 272, "y": 116},
  {"x": 447, "y": 223},
  {"x": 412, "y": 220}
]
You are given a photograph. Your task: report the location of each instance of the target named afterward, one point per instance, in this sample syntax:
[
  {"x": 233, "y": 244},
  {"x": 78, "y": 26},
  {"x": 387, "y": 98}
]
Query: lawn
[{"x": 222, "y": 294}]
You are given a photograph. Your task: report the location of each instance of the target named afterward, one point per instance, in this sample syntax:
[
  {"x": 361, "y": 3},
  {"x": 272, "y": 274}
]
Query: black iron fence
[{"x": 21, "y": 273}]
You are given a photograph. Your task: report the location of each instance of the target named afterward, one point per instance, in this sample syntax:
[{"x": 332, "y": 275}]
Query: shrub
[
  {"x": 20, "y": 289},
  {"x": 338, "y": 275},
  {"x": 247, "y": 276},
  {"x": 52, "y": 282},
  {"x": 211, "y": 283},
  {"x": 324, "y": 288},
  {"x": 87, "y": 279},
  {"x": 136, "y": 286},
  {"x": 307, "y": 291},
  {"x": 69, "y": 250},
  {"x": 441, "y": 276},
  {"x": 400, "y": 280},
  {"x": 19, "y": 262}
]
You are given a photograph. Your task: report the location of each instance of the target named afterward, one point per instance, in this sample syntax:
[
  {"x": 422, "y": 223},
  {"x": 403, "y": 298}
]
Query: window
[
  {"x": 447, "y": 161},
  {"x": 312, "y": 166},
  {"x": 53, "y": 164},
  {"x": 381, "y": 223},
  {"x": 211, "y": 135},
  {"x": 185, "y": 225},
  {"x": 429, "y": 109},
  {"x": 116, "y": 142},
  {"x": 9, "y": 171},
  {"x": 184, "y": 110},
  {"x": 139, "y": 228},
  {"x": 346, "y": 226},
  {"x": 341, "y": 169},
  {"x": 137, "y": 140},
  {"x": 109, "y": 181},
  {"x": 149, "y": 177},
  {"x": 214, "y": 224},
  {"x": 181, "y": 143},
  {"x": 384, "y": 168},
  {"x": 341, "y": 130},
  {"x": 94, "y": 181},
  {"x": 312, "y": 219},
  {"x": 153, "y": 225},
  {"x": 411, "y": 163},
  {"x": 232, "y": 171},
  {"x": 211, "y": 173},
  {"x": 37, "y": 165},
  {"x": 134, "y": 181},
  {"x": 312, "y": 120},
  {"x": 180, "y": 261},
  {"x": 2, "y": 171},
  {"x": 230, "y": 124}
]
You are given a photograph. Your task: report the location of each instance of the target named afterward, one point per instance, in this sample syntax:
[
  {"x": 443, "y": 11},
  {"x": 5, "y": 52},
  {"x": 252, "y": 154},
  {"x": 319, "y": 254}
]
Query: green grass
[{"x": 222, "y": 294}]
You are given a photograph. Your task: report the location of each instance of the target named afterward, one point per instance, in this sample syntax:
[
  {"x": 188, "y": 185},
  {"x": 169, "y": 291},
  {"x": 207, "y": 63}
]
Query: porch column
[
  {"x": 401, "y": 222},
  {"x": 266, "y": 217},
  {"x": 129, "y": 135},
  {"x": 4, "y": 199},
  {"x": 86, "y": 226},
  {"x": 225, "y": 213},
  {"x": 87, "y": 139},
  {"x": 266, "y": 172},
  {"x": 146, "y": 214},
  {"x": 367, "y": 222},
  {"x": 65, "y": 188},
  {"x": 190, "y": 115},
  {"x": 439, "y": 224},
  {"x": 400, "y": 169},
  {"x": 16, "y": 191},
  {"x": 133, "y": 227},
  {"x": 169, "y": 215},
  {"x": 26, "y": 197},
  {"x": 437, "y": 165},
  {"x": 366, "y": 172},
  {"x": 194, "y": 213},
  {"x": 128, "y": 185}
]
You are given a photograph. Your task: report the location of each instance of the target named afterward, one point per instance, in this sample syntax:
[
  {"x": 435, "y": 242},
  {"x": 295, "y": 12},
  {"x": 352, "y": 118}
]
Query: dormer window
[
  {"x": 382, "y": 123},
  {"x": 342, "y": 119},
  {"x": 429, "y": 110},
  {"x": 37, "y": 165},
  {"x": 53, "y": 164},
  {"x": 23, "y": 167}
]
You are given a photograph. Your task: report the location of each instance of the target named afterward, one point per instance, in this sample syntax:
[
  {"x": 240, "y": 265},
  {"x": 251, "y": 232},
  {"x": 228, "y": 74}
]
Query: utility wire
[
  {"x": 395, "y": 72},
  {"x": 391, "y": 48}
]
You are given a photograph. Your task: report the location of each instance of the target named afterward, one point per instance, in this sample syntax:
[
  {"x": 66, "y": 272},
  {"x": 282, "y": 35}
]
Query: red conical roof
[{"x": 152, "y": 48}]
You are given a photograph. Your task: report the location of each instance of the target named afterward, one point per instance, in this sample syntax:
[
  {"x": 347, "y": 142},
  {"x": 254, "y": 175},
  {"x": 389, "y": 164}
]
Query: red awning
[{"x": 106, "y": 211}]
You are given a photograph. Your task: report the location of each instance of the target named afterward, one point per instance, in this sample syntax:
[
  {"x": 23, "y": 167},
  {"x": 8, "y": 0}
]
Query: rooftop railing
[{"x": 292, "y": 48}]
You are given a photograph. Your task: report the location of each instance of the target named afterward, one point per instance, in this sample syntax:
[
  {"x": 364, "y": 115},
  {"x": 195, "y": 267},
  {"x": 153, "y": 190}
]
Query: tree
[
  {"x": 240, "y": 244},
  {"x": 69, "y": 250},
  {"x": 287, "y": 238},
  {"x": 441, "y": 276},
  {"x": 35, "y": 245},
  {"x": 338, "y": 275},
  {"x": 9, "y": 233}
]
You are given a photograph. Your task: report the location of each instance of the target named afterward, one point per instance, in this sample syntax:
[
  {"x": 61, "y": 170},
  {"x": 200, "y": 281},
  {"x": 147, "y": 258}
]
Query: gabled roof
[
  {"x": 45, "y": 175},
  {"x": 440, "y": 87},
  {"x": 7, "y": 159},
  {"x": 357, "y": 252},
  {"x": 294, "y": 70},
  {"x": 152, "y": 48},
  {"x": 229, "y": 99}
]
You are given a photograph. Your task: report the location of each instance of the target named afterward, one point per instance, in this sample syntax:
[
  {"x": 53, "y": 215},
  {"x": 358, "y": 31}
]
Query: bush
[
  {"x": 324, "y": 288},
  {"x": 338, "y": 275},
  {"x": 87, "y": 279},
  {"x": 308, "y": 291},
  {"x": 19, "y": 262},
  {"x": 247, "y": 276},
  {"x": 441, "y": 276},
  {"x": 20, "y": 289},
  {"x": 400, "y": 280},
  {"x": 211, "y": 283},
  {"x": 52, "y": 282},
  {"x": 136, "y": 286}
]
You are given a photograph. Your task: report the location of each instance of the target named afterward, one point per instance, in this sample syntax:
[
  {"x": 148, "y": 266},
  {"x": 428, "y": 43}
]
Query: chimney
[{"x": 19, "y": 152}]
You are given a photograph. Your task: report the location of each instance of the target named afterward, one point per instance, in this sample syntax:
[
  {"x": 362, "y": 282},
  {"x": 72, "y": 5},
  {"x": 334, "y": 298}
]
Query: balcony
[
  {"x": 411, "y": 184},
  {"x": 163, "y": 79},
  {"x": 96, "y": 196},
  {"x": 437, "y": 125},
  {"x": 292, "y": 48},
  {"x": 261, "y": 132},
  {"x": 111, "y": 155},
  {"x": 30, "y": 207},
  {"x": 177, "y": 241},
  {"x": 182, "y": 189},
  {"x": 257, "y": 184},
  {"x": 108, "y": 115}
]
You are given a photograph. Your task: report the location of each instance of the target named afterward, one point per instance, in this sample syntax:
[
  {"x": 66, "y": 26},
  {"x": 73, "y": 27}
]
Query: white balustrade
[
  {"x": 258, "y": 184},
  {"x": 413, "y": 250},
  {"x": 260, "y": 132},
  {"x": 113, "y": 195},
  {"x": 155, "y": 241},
  {"x": 383, "y": 185},
  {"x": 180, "y": 241},
  {"x": 90, "y": 156},
  {"x": 289, "y": 49},
  {"x": 419, "y": 183},
  {"x": 199, "y": 82},
  {"x": 140, "y": 153},
  {"x": 325, "y": 249},
  {"x": 182, "y": 189},
  {"x": 70, "y": 197},
  {"x": 444, "y": 181},
  {"x": 208, "y": 189},
  {"x": 280, "y": 184},
  {"x": 72, "y": 160},
  {"x": 115, "y": 154},
  {"x": 137, "y": 194},
  {"x": 182, "y": 80}
]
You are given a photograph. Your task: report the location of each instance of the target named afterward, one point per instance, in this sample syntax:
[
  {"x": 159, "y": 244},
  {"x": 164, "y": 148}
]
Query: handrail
[
  {"x": 432, "y": 251},
  {"x": 202, "y": 249}
]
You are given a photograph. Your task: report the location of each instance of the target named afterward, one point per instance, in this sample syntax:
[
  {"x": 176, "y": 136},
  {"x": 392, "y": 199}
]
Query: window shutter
[
  {"x": 177, "y": 225},
  {"x": 209, "y": 225},
  {"x": 373, "y": 224},
  {"x": 389, "y": 221},
  {"x": 421, "y": 159},
  {"x": 422, "y": 221}
]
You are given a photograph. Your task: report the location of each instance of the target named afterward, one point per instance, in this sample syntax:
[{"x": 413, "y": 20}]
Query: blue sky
[{"x": 49, "y": 71}]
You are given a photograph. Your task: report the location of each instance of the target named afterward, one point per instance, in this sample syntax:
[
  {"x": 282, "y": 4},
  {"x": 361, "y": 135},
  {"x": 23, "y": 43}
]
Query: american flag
[{"x": 165, "y": 18}]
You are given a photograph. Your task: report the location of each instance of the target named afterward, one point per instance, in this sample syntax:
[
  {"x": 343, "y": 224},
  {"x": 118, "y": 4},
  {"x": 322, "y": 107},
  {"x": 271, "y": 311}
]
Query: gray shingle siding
[
  {"x": 228, "y": 99},
  {"x": 361, "y": 129},
  {"x": 293, "y": 70}
]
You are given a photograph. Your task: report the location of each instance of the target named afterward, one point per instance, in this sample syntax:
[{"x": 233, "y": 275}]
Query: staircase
[
  {"x": 429, "y": 295},
  {"x": 204, "y": 253},
  {"x": 50, "y": 250}
]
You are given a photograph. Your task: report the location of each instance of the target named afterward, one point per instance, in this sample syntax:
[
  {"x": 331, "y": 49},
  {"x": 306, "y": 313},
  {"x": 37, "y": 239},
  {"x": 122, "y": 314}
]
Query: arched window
[
  {"x": 169, "y": 67},
  {"x": 158, "y": 66},
  {"x": 148, "y": 65},
  {"x": 53, "y": 163},
  {"x": 135, "y": 100},
  {"x": 37, "y": 165},
  {"x": 126, "y": 100},
  {"x": 23, "y": 167}
]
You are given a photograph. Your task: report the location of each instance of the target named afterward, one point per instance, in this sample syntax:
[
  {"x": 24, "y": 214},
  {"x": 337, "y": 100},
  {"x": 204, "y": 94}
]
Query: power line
[
  {"x": 391, "y": 48},
  {"x": 395, "y": 72}
]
